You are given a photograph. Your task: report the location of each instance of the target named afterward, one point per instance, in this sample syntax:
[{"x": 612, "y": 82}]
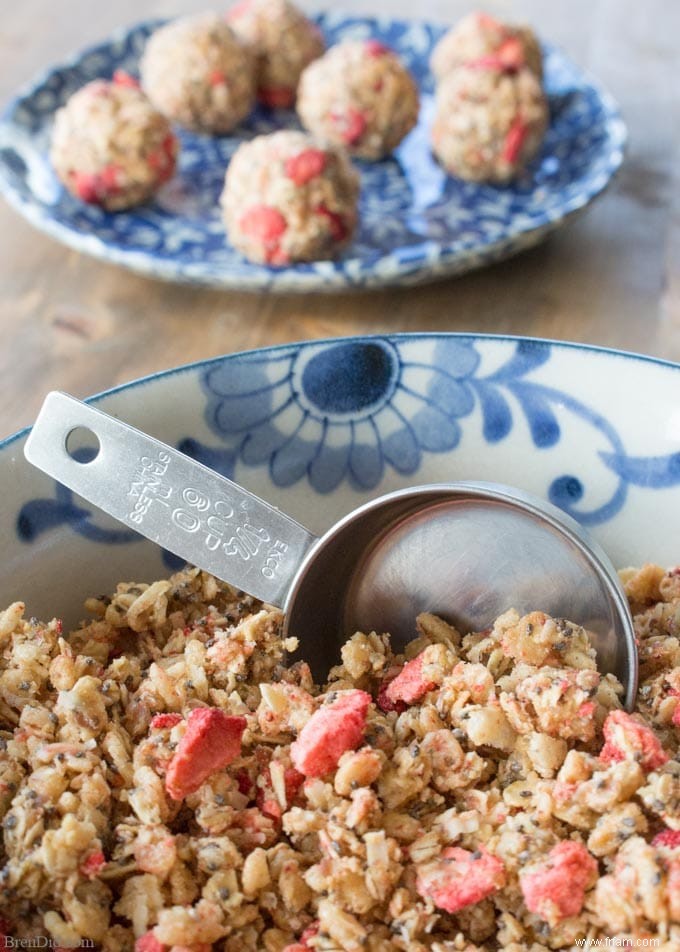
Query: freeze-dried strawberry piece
[
  {"x": 211, "y": 741},
  {"x": 336, "y": 222},
  {"x": 330, "y": 731},
  {"x": 460, "y": 878},
  {"x": 263, "y": 222},
  {"x": 629, "y": 739},
  {"x": 376, "y": 48},
  {"x": 511, "y": 53},
  {"x": 93, "y": 187},
  {"x": 88, "y": 187},
  {"x": 382, "y": 700},
  {"x": 266, "y": 798},
  {"x": 276, "y": 97},
  {"x": 668, "y": 838},
  {"x": 351, "y": 125},
  {"x": 556, "y": 889},
  {"x": 302, "y": 945},
  {"x": 410, "y": 684},
  {"x": 161, "y": 721},
  {"x": 149, "y": 943},
  {"x": 123, "y": 78},
  {"x": 238, "y": 9},
  {"x": 514, "y": 140},
  {"x": 305, "y": 166},
  {"x": 490, "y": 61},
  {"x": 163, "y": 159},
  {"x": 309, "y": 933},
  {"x": 243, "y": 782},
  {"x": 93, "y": 864},
  {"x": 486, "y": 22}
]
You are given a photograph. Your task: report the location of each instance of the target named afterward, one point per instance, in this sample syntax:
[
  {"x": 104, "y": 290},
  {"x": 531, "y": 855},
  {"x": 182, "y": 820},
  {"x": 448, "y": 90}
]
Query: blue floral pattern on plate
[
  {"x": 416, "y": 223},
  {"x": 347, "y": 410}
]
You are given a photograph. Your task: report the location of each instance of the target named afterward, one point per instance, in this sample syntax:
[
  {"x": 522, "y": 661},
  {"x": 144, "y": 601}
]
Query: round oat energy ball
[
  {"x": 289, "y": 197},
  {"x": 110, "y": 147},
  {"x": 359, "y": 95},
  {"x": 488, "y": 122},
  {"x": 285, "y": 42},
  {"x": 480, "y": 37},
  {"x": 198, "y": 73}
]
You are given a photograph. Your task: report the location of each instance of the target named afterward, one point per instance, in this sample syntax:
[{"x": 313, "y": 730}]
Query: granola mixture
[
  {"x": 480, "y": 37},
  {"x": 199, "y": 74},
  {"x": 489, "y": 121},
  {"x": 110, "y": 147},
  {"x": 169, "y": 782},
  {"x": 285, "y": 41},
  {"x": 360, "y": 96},
  {"x": 289, "y": 197}
]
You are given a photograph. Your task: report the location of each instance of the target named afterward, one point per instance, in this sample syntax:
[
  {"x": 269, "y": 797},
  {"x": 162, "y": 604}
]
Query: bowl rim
[{"x": 273, "y": 349}]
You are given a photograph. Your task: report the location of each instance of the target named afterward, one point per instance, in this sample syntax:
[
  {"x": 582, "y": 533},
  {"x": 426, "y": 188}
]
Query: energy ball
[
  {"x": 289, "y": 197},
  {"x": 110, "y": 147},
  {"x": 359, "y": 95},
  {"x": 488, "y": 122},
  {"x": 198, "y": 73},
  {"x": 478, "y": 38},
  {"x": 285, "y": 42}
]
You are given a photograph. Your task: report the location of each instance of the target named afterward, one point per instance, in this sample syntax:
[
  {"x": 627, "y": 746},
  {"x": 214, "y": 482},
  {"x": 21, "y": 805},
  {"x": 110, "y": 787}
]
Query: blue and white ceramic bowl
[
  {"x": 416, "y": 223},
  {"x": 318, "y": 428}
]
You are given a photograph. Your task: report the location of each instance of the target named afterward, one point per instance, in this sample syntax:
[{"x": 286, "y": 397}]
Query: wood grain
[{"x": 611, "y": 277}]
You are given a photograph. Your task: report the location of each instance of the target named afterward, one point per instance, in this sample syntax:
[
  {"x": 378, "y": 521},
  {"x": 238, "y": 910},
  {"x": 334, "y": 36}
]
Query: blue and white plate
[
  {"x": 416, "y": 223},
  {"x": 320, "y": 427}
]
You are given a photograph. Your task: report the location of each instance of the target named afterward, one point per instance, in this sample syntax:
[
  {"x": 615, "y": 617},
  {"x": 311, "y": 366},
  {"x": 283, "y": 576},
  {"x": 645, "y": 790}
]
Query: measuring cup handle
[{"x": 171, "y": 499}]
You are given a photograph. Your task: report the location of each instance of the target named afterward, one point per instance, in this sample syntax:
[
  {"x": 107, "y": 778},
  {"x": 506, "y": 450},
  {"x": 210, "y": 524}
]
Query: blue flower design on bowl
[
  {"x": 359, "y": 412},
  {"x": 345, "y": 410}
]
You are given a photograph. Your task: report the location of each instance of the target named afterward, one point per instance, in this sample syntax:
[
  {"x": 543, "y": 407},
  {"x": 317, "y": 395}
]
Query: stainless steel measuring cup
[{"x": 466, "y": 551}]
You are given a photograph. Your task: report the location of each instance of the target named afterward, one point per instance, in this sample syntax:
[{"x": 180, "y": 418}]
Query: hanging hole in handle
[{"x": 82, "y": 445}]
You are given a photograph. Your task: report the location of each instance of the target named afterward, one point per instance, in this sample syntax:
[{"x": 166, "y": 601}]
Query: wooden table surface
[{"x": 611, "y": 277}]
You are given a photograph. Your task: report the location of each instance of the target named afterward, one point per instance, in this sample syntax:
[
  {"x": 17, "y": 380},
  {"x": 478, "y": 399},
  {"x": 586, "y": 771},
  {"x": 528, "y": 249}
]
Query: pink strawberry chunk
[
  {"x": 93, "y": 864},
  {"x": 514, "y": 141},
  {"x": 263, "y": 222},
  {"x": 410, "y": 685},
  {"x": 627, "y": 738},
  {"x": 668, "y": 838},
  {"x": 460, "y": 878},
  {"x": 149, "y": 943},
  {"x": 305, "y": 166},
  {"x": 302, "y": 945},
  {"x": 161, "y": 721},
  {"x": 351, "y": 125},
  {"x": 211, "y": 741},
  {"x": 376, "y": 48},
  {"x": 238, "y": 10},
  {"x": 122, "y": 78},
  {"x": 336, "y": 223},
  {"x": 556, "y": 889},
  {"x": 330, "y": 731},
  {"x": 266, "y": 798},
  {"x": 511, "y": 53}
]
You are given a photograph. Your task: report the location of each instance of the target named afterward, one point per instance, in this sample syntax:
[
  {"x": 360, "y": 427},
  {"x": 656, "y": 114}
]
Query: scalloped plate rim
[{"x": 448, "y": 262}]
